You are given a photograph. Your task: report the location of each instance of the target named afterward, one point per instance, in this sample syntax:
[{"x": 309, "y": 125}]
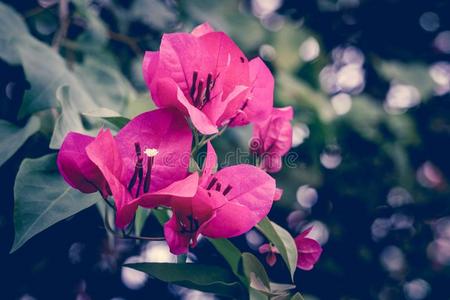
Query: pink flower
[
  {"x": 272, "y": 138},
  {"x": 271, "y": 251},
  {"x": 309, "y": 251},
  {"x": 227, "y": 204},
  {"x": 207, "y": 77},
  {"x": 144, "y": 164}
]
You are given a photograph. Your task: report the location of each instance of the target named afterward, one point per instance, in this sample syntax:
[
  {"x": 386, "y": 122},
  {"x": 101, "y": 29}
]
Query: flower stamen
[{"x": 151, "y": 153}]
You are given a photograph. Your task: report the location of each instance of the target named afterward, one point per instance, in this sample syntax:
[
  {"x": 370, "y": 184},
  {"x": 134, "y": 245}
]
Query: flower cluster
[{"x": 201, "y": 83}]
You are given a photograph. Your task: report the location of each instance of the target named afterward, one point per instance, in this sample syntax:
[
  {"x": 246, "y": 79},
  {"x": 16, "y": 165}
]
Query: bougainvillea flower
[
  {"x": 142, "y": 165},
  {"x": 309, "y": 250},
  {"x": 207, "y": 77},
  {"x": 227, "y": 204},
  {"x": 272, "y": 138},
  {"x": 272, "y": 251},
  {"x": 259, "y": 102}
]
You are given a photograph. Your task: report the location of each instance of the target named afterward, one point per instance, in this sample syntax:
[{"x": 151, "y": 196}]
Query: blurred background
[{"x": 370, "y": 84}]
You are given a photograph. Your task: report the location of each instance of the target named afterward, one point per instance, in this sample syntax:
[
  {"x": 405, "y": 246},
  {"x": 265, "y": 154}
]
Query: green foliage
[
  {"x": 12, "y": 29},
  {"x": 13, "y": 137},
  {"x": 205, "y": 278},
  {"x": 283, "y": 241},
  {"x": 42, "y": 198}
]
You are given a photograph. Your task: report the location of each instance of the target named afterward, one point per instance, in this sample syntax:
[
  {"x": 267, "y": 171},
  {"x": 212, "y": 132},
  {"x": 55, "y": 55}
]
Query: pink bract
[
  {"x": 272, "y": 138},
  {"x": 207, "y": 77},
  {"x": 309, "y": 250},
  {"x": 227, "y": 204},
  {"x": 144, "y": 164},
  {"x": 272, "y": 251}
]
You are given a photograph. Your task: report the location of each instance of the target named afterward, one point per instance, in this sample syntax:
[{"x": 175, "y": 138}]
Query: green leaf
[
  {"x": 161, "y": 214},
  {"x": 42, "y": 198},
  {"x": 231, "y": 254},
  {"x": 257, "y": 278},
  {"x": 297, "y": 296},
  {"x": 13, "y": 137},
  {"x": 254, "y": 270},
  {"x": 282, "y": 240},
  {"x": 105, "y": 84},
  {"x": 109, "y": 115},
  {"x": 96, "y": 33},
  {"x": 69, "y": 119},
  {"x": 153, "y": 13},
  {"x": 140, "y": 218},
  {"x": 206, "y": 278},
  {"x": 46, "y": 71},
  {"x": 12, "y": 27}
]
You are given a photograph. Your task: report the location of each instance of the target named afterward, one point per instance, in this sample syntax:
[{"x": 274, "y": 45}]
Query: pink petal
[
  {"x": 222, "y": 56},
  {"x": 178, "y": 242},
  {"x": 185, "y": 188},
  {"x": 103, "y": 152},
  {"x": 165, "y": 94},
  {"x": 271, "y": 162},
  {"x": 264, "y": 248},
  {"x": 198, "y": 118},
  {"x": 234, "y": 102},
  {"x": 247, "y": 203},
  {"x": 149, "y": 66},
  {"x": 180, "y": 56},
  {"x": 251, "y": 187},
  {"x": 309, "y": 252},
  {"x": 260, "y": 99},
  {"x": 271, "y": 259},
  {"x": 165, "y": 130},
  {"x": 230, "y": 220},
  {"x": 305, "y": 232},
  {"x": 278, "y": 194},
  {"x": 76, "y": 167},
  {"x": 209, "y": 164},
  {"x": 276, "y": 136},
  {"x": 202, "y": 29}
]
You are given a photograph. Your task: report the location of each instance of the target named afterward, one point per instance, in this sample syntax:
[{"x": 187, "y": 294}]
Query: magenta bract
[
  {"x": 145, "y": 162},
  {"x": 227, "y": 204},
  {"x": 207, "y": 77},
  {"x": 273, "y": 138}
]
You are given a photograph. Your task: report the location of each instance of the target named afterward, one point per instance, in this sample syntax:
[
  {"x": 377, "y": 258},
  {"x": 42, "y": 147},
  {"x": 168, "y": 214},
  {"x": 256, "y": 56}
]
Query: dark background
[{"x": 376, "y": 176}]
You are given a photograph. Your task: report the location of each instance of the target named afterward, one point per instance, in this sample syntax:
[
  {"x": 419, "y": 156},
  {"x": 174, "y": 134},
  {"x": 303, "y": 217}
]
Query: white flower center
[{"x": 151, "y": 152}]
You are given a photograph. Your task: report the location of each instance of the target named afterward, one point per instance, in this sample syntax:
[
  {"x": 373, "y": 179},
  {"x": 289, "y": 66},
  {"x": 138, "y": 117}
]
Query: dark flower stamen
[
  {"x": 212, "y": 183},
  {"x": 208, "y": 87},
  {"x": 194, "y": 81},
  {"x": 137, "y": 168},
  {"x": 148, "y": 175},
  {"x": 227, "y": 190},
  {"x": 218, "y": 187},
  {"x": 198, "y": 99}
]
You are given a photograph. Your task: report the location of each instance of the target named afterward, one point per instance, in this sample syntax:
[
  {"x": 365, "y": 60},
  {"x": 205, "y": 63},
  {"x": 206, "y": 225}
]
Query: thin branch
[
  {"x": 64, "y": 21},
  {"x": 131, "y": 42}
]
